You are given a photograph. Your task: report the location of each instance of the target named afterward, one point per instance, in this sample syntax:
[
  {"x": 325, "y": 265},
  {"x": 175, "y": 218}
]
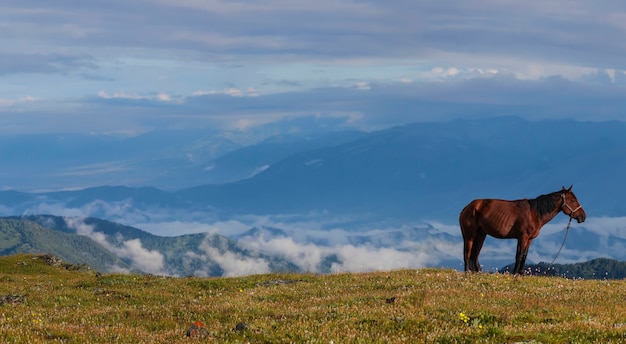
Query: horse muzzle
[{"x": 581, "y": 217}]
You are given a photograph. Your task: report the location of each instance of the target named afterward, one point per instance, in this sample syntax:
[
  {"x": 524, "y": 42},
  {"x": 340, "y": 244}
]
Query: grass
[{"x": 41, "y": 303}]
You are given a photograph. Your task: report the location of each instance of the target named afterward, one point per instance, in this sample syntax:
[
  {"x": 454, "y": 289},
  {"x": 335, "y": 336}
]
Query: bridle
[{"x": 571, "y": 211}]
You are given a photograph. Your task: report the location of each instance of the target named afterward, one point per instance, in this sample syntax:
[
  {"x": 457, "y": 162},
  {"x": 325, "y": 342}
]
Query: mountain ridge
[
  {"x": 134, "y": 249},
  {"x": 60, "y": 238},
  {"x": 415, "y": 171},
  {"x": 422, "y": 164},
  {"x": 19, "y": 236}
]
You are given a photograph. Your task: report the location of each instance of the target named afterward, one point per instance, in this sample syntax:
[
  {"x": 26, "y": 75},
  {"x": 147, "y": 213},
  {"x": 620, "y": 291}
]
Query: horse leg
[
  {"x": 469, "y": 229},
  {"x": 520, "y": 257},
  {"x": 467, "y": 250},
  {"x": 524, "y": 255},
  {"x": 472, "y": 243},
  {"x": 479, "y": 239}
]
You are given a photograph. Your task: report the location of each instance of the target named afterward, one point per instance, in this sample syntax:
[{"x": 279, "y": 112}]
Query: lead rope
[
  {"x": 563, "y": 243},
  {"x": 571, "y": 212}
]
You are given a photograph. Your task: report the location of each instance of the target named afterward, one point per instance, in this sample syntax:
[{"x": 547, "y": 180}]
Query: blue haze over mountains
[{"x": 404, "y": 180}]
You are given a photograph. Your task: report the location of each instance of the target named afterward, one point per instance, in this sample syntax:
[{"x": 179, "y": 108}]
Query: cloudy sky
[{"x": 135, "y": 66}]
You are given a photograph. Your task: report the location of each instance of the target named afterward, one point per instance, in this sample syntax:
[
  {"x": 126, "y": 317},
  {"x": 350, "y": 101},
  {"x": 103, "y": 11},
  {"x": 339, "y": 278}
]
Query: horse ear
[{"x": 570, "y": 187}]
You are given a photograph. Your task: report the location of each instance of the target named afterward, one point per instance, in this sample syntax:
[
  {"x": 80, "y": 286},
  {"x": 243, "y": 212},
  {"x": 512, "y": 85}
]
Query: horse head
[{"x": 571, "y": 207}]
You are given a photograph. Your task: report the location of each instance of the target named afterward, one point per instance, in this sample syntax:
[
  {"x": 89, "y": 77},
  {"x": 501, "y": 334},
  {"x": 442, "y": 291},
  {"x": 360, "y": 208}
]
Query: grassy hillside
[
  {"x": 49, "y": 303},
  {"x": 20, "y": 236},
  {"x": 183, "y": 255}
]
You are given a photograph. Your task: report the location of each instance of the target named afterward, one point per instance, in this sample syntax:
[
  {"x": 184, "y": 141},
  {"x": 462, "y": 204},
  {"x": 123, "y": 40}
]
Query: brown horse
[{"x": 521, "y": 219}]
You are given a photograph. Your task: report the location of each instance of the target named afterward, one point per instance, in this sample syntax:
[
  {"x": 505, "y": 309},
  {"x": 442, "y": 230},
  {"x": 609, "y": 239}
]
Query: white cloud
[
  {"x": 520, "y": 71},
  {"x": 235, "y": 92},
  {"x": 160, "y": 96},
  {"x": 253, "y": 92},
  {"x": 368, "y": 256},
  {"x": 164, "y": 97},
  {"x": 150, "y": 261},
  {"x": 4, "y": 102},
  {"x": 231, "y": 263},
  {"x": 119, "y": 95},
  {"x": 306, "y": 256},
  {"x": 362, "y": 86},
  {"x": 232, "y": 91},
  {"x": 94, "y": 169},
  {"x": 258, "y": 170},
  {"x": 605, "y": 226},
  {"x": 201, "y": 93},
  {"x": 361, "y": 258}
]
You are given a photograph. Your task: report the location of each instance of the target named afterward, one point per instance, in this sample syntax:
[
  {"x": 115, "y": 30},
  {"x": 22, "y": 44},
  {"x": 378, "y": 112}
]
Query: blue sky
[{"x": 135, "y": 66}]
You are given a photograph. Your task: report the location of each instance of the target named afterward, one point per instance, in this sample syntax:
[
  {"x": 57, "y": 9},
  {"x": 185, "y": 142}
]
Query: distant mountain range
[
  {"x": 418, "y": 171},
  {"x": 167, "y": 159}
]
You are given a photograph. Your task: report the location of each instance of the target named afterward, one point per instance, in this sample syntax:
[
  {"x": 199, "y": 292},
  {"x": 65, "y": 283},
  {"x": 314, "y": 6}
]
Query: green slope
[
  {"x": 183, "y": 255},
  {"x": 48, "y": 304},
  {"x": 22, "y": 236}
]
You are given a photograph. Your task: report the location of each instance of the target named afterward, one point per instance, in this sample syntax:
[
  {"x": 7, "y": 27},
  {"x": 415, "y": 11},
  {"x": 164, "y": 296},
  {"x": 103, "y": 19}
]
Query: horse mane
[{"x": 544, "y": 204}]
